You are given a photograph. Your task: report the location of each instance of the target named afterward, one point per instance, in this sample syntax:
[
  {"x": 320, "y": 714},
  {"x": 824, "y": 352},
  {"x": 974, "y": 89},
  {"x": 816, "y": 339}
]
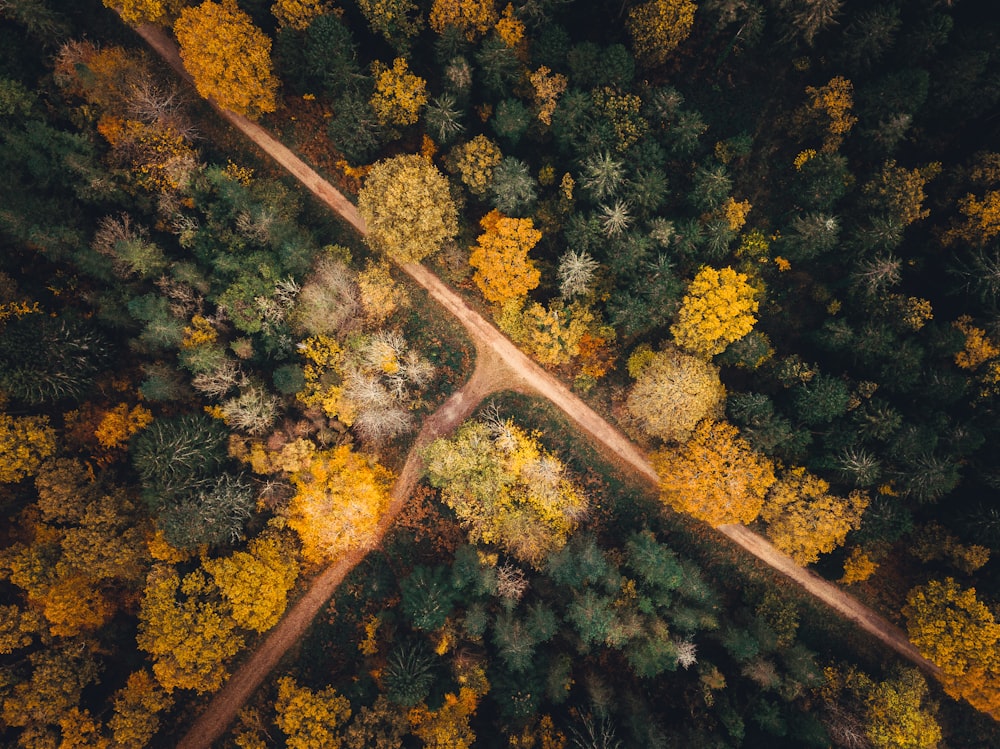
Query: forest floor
[{"x": 500, "y": 365}]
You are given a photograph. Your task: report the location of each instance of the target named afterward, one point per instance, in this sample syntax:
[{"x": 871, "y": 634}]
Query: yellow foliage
[
  {"x": 715, "y": 476},
  {"x": 136, "y": 12},
  {"x": 18, "y": 309},
  {"x": 803, "y": 157},
  {"x": 369, "y": 645},
  {"x": 804, "y": 520},
  {"x": 657, "y": 27},
  {"x": 673, "y": 391},
  {"x": 475, "y": 162},
  {"x": 408, "y": 208},
  {"x": 188, "y": 639},
  {"x": 17, "y": 628},
  {"x": 553, "y": 334},
  {"x": 73, "y": 605},
  {"x": 472, "y": 17},
  {"x": 199, "y": 333},
  {"x": 858, "y": 566},
  {"x": 120, "y": 423},
  {"x": 500, "y": 257},
  {"x": 80, "y": 731},
  {"x": 509, "y": 28},
  {"x": 540, "y": 735},
  {"x": 255, "y": 583},
  {"x": 900, "y": 191},
  {"x": 622, "y": 110},
  {"x": 718, "y": 308},
  {"x": 298, "y": 14},
  {"x": 933, "y": 542},
  {"x": 832, "y": 104},
  {"x": 25, "y": 441},
  {"x": 162, "y": 551},
  {"x": 982, "y": 219},
  {"x": 323, "y": 372},
  {"x": 979, "y": 347},
  {"x": 340, "y": 498},
  {"x": 228, "y": 57},
  {"x": 395, "y": 20},
  {"x": 160, "y": 158},
  {"x": 447, "y": 727},
  {"x": 136, "y": 706},
  {"x": 399, "y": 94},
  {"x": 310, "y": 719},
  {"x": 736, "y": 213},
  {"x": 915, "y": 312},
  {"x": 380, "y": 294},
  {"x": 548, "y": 86}
]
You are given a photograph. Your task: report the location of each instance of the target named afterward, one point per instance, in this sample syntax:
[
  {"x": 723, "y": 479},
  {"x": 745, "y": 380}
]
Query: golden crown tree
[
  {"x": 500, "y": 257},
  {"x": 657, "y": 27},
  {"x": 228, "y": 57},
  {"x": 715, "y": 476},
  {"x": 804, "y": 520},
  {"x": 719, "y": 307},
  {"x": 408, "y": 209}
]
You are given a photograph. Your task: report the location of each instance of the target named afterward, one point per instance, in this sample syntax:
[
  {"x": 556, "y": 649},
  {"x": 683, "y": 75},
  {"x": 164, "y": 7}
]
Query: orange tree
[
  {"x": 228, "y": 57},
  {"x": 500, "y": 257},
  {"x": 340, "y": 497},
  {"x": 715, "y": 476}
]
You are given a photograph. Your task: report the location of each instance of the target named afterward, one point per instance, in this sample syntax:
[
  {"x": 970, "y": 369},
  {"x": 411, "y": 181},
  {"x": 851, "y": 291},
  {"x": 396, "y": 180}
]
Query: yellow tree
[
  {"x": 673, "y": 391},
  {"x": 448, "y": 727},
  {"x": 395, "y": 20},
  {"x": 407, "y": 207},
  {"x": 298, "y": 14},
  {"x": 804, "y": 520},
  {"x": 831, "y": 108},
  {"x": 228, "y": 57},
  {"x": 500, "y": 257},
  {"x": 548, "y": 86},
  {"x": 475, "y": 162},
  {"x": 310, "y": 720},
  {"x": 955, "y": 630},
  {"x": 715, "y": 476},
  {"x": 657, "y": 27},
  {"x": 255, "y": 583},
  {"x": 719, "y": 307},
  {"x": 472, "y": 17},
  {"x": 899, "y": 192},
  {"x": 399, "y": 94},
  {"x": 340, "y": 498},
  {"x": 137, "y": 706},
  {"x": 25, "y": 441},
  {"x": 553, "y": 334},
  {"x": 381, "y": 296},
  {"x": 143, "y": 11},
  {"x": 189, "y": 638},
  {"x": 505, "y": 488}
]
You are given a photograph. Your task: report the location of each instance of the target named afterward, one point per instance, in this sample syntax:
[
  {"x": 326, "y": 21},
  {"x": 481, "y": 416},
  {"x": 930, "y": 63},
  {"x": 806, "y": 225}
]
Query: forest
[{"x": 761, "y": 238}]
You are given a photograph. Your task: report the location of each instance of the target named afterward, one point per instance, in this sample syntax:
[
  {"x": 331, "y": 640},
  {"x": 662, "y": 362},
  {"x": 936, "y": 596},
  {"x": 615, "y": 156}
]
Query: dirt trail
[{"x": 496, "y": 353}]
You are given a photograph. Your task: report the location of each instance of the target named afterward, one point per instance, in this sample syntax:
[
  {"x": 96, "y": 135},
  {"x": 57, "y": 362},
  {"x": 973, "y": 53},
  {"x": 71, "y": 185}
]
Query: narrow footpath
[{"x": 502, "y": 354}]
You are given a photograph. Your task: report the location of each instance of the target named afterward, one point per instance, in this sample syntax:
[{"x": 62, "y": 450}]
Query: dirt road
[{"x": 494, "y": 349}]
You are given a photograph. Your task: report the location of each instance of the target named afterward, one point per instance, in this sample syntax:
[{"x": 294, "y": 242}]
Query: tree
[
  {"x": 505, "y": 488},
  {"x": 475, "y": 162},
  {"x": 657, "y": 27},
  {"x": 137, "y": 705},
  {"x": 472, "y": 18},
  {"x": 673, "y": 391},
  {"x": 399, "y": 94},
  {"x": 136, "y": 12},
  {"x": 340, "y": 498},
  {"x": 310, "y": 720},
  {"x": 25, "y": 441},
  {"x": 576, "y": 273},
  {"x": 500, "y": 257},
  {"x": 830, "y": 108},
  {"x": 718, "y": 308},
  {"x": 189, "y": 639},
  {"x": 173, "y": 455},
  {"x": 512, "y": 189},
  {"x": 809, "y": 17},
  {"x": 804, "y": 520},
  {"x": 298, "y": 14},
  {"x": 228, "y": 57},
  {"x": 715, "y": 476},
  {"x": 255, "y": 583},
  {"x": 395, "y": 20},
  {"x": 408, "y": 209}
]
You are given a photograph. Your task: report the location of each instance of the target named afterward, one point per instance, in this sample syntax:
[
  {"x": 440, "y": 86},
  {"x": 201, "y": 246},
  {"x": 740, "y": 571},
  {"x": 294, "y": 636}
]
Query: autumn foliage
[
  {"x": 228, "y": 57},
  {"x": 658, "y": 26},
  {"x": 500, "y": 257},
  {"x": 340, "y": 498},
  {"x": 407, "y": 207},
  {"x": 719, "y": 307},
  {"x": 715, "y": 476}
]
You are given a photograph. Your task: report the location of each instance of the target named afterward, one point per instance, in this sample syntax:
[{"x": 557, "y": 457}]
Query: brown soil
[{"x": 500, "y": 365}]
